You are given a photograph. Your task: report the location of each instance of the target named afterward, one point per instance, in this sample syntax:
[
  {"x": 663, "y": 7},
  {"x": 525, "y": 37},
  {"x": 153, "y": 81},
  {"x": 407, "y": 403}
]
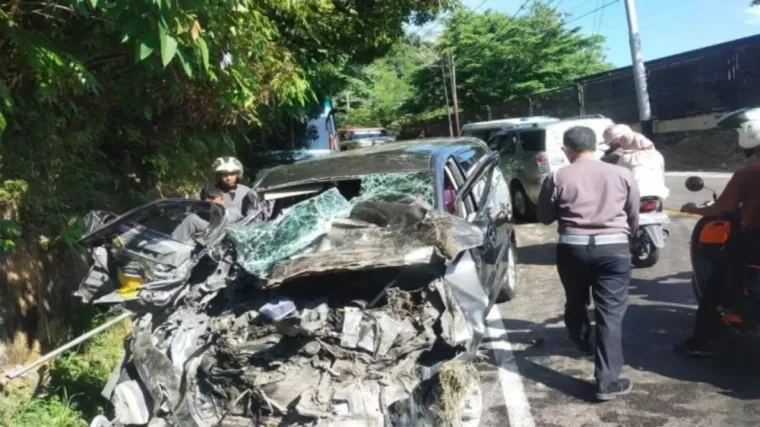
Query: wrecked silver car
[{"x": 361, "y": 300}]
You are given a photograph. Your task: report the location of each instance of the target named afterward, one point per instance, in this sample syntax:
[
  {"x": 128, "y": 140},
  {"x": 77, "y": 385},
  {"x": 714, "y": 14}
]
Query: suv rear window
[
  {"x": 533, "y": 140},
  {"x": 367, "y": 134},
  {"x": 480, "y": 134}
]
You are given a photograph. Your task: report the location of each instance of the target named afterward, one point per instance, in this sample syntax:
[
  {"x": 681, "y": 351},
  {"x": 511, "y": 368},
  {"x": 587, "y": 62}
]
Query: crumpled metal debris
[{"x": 355, "y": 322}]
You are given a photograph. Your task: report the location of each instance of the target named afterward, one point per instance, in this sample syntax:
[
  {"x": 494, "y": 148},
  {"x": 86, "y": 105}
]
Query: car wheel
[
  {"x": 523, "y": 208},
  {"x": 508, "y": 288}
]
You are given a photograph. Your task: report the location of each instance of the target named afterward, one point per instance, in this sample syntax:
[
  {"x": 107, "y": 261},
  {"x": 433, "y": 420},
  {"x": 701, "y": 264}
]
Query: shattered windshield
[{"x": 261, "y": 245}]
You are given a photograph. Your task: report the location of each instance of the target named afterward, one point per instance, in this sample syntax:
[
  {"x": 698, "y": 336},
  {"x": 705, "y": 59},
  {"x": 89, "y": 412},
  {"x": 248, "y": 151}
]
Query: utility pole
[
  {"x": 639, "y": 72},
  {"x": 446, "y": 96},
  {"x": 453, "y": 87},
  {"x": 454, "y": 91}
]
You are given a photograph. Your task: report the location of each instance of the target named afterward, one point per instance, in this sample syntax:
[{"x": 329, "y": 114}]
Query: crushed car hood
[
  {"x": 363, "y": 245},
  {"x": 389, "y": 224}
]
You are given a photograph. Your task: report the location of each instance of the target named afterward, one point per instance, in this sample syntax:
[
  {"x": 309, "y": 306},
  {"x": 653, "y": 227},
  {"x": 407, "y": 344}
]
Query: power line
[
  {"x": 601, "y": 20},
  {"x": 650, "y": 22},
  {"x": 479, "y": 5},
  {"x": 595, "y": 23},
  {"x": 437, "y": 23},
  {"x": 509, "y": 24},
  {"x": 604, "y": 6}
]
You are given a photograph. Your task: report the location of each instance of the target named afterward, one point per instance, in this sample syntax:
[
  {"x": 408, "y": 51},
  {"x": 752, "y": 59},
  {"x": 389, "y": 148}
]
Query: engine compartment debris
[{"x": 360, "y": 311}]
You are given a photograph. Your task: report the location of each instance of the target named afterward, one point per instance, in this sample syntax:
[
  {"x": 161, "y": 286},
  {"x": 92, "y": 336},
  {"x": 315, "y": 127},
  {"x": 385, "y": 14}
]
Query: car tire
[
  {"x": 508, "y": 285},
  {"x": 524, "y": 209}
]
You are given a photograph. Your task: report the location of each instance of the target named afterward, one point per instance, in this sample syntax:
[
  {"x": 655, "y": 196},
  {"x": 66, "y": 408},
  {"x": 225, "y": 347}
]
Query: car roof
[
  {"x": 506, "y": 122},
  {"x": 404, "y": 156},
  {"x": 360, "y": 129},
  {"x": 569, "y": 121}
]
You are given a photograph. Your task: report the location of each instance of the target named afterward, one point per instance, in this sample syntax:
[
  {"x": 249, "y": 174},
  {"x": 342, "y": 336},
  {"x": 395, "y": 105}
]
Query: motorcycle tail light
[{"x": 649, "y": 207}]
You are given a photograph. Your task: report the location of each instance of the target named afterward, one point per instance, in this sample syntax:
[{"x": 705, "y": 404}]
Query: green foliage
[
  {"x": 71, "y": 398},
  {"x": 499, "y": 58},
  {"x": 378, "y": 91},
  {"x": 101, "y": 102},
  {"x": 9, "y": 230},
  {"x": 53, "y": 410}
]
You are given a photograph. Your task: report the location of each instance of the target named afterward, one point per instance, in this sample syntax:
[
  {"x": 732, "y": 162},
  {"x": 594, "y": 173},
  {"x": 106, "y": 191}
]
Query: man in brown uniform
[{"x": 596, "y": 205}]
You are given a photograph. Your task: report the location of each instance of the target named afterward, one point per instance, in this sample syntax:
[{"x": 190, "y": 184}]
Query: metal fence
[{"x": 718, "y": 78}]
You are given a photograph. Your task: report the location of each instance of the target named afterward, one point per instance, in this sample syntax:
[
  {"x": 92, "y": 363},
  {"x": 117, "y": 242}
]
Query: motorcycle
[
  {"x": 649, "y": 239},
  {"x": 739, "y": 291}
]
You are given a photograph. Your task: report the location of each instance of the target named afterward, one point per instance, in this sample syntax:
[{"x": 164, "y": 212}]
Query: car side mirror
[{"x": 695, "y": 183}]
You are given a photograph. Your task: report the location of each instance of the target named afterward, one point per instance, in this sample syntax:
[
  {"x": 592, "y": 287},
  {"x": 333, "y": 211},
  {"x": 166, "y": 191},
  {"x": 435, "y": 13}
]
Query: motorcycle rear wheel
[{"x": 646, "y": 255}]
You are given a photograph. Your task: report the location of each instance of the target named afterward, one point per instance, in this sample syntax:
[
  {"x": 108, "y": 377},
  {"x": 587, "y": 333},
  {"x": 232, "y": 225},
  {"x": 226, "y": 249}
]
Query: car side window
[
  {"x": 504, "y": 143},
  {"x": 468, "y": 160},
  {"x": 452, "y": 181},
  {"x": 533, "y": 141}
]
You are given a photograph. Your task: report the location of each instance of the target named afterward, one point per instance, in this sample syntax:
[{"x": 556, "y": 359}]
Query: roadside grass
[{"x": 68, "y": 395}]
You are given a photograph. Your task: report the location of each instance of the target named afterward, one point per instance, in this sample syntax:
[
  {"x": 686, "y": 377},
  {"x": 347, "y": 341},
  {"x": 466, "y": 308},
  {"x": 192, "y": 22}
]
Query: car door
[{"x": 487, "y": 202}]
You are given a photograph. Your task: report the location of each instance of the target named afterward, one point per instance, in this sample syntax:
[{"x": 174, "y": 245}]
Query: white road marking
[
  {"x": 510, "y": 380},
  {"x": 701, "y": 174}
]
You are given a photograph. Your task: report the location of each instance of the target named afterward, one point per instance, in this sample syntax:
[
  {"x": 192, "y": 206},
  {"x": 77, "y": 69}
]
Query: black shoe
[
  {"x": 692, "y": 347},
  {"x": 620, "y": 387},
  {"x": 583, "y": 345}
]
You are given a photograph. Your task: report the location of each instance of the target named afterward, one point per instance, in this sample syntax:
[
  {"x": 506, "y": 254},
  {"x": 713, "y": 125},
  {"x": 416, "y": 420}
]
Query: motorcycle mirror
[{"x": 695, "y": 183}]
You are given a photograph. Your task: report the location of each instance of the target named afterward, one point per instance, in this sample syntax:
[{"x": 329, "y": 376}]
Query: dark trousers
[
  {"x": 724, "y": 284},
  {"x": 606, "y": 270}
]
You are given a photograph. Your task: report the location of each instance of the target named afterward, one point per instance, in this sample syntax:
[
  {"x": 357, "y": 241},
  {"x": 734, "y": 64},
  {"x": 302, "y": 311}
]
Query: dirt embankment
[
  {"x": 713, "y": 150},
  {"x": 37, "y": 308}
]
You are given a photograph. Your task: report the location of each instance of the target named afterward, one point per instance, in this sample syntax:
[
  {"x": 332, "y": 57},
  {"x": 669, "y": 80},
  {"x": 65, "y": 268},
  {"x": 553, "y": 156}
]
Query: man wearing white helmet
[
  {"x": 238, "y": 198},
  {"x": 742, "y": 194}
]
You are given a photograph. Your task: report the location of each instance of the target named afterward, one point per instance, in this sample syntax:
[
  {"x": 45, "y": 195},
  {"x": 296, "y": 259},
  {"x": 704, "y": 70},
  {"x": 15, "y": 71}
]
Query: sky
[{"x": 667, "y": 27}]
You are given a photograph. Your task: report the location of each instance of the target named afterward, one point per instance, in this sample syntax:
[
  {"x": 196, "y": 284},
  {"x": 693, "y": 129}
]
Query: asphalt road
[{"x": 536, "y": 378}]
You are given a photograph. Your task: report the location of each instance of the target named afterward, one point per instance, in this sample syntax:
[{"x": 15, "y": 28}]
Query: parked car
[
  {"x": 353, "y": 138},
  {"x": 360, "y": 300},
  {"x": 485, "y": 130},
  {"x": 531, "y": 151}
]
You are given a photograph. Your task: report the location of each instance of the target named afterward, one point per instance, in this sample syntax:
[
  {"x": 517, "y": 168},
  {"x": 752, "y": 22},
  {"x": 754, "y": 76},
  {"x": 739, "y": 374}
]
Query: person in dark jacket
[
  {"x": 239, "y": 200},
  {"x": 194, "y": 224}
]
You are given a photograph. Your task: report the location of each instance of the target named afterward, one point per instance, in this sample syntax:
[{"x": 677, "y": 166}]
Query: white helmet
[
  {"x": 227, "y": 164},
  {"x": 749, "y": 134}
]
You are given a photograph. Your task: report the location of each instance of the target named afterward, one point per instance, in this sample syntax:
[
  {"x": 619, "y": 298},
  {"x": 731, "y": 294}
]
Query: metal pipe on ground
[{"x": 21, "y": 370}]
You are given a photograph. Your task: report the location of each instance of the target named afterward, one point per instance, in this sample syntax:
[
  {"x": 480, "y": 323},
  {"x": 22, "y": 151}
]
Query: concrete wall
[
  {"x": 694, "y": 144},
  {"x": 712, "y": 150}
]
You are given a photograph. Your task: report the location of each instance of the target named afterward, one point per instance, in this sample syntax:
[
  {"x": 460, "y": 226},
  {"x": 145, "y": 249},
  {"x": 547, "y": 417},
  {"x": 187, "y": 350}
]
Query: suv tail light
[
  {"x": 542, "y": 161},
  {"x": 649, "y": 206}
]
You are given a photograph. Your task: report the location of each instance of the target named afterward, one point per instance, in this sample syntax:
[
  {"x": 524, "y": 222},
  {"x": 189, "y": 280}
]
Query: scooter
[
  {"x": 649, "y": 239},
  {"x": 740, "y": 302}
]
